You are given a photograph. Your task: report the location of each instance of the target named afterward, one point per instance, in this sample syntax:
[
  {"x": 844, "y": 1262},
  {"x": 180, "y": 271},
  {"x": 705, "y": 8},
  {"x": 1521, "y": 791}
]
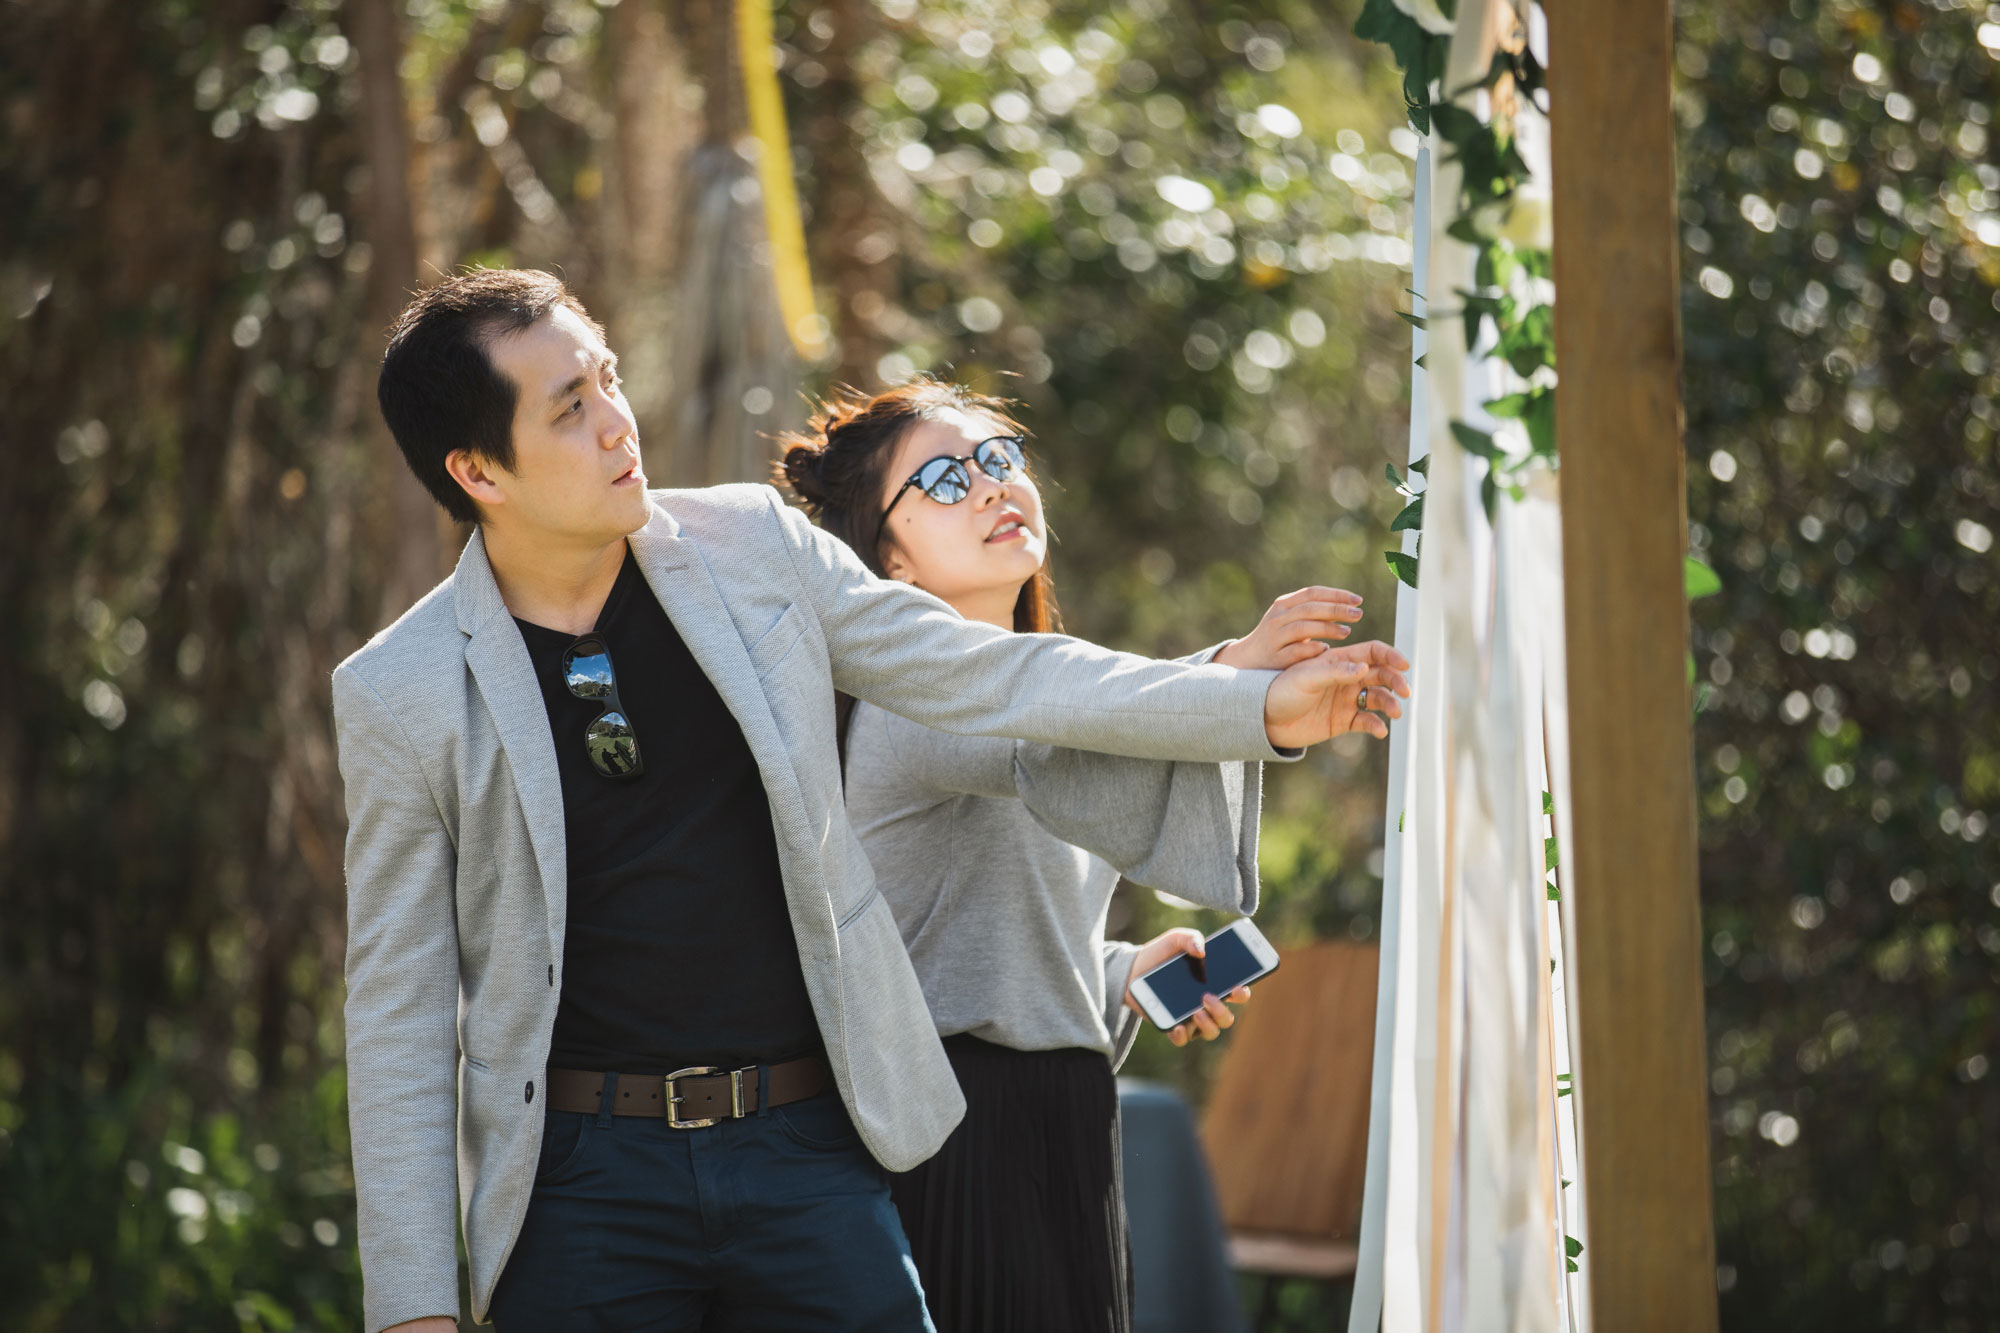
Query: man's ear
[{"x": 476, "y": 476}]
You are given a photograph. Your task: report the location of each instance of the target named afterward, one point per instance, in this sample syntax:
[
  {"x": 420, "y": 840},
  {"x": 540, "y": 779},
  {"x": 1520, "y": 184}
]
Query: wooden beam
[{"x": 1635, "y": 936}]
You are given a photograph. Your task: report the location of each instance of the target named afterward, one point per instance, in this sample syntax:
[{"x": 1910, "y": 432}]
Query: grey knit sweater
[{"x": 998, "y": 859}]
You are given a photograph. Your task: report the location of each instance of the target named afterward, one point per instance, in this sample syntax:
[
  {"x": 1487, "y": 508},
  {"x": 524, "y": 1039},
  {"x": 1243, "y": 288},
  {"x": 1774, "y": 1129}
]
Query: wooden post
[{"x": 1635, "y": 942}]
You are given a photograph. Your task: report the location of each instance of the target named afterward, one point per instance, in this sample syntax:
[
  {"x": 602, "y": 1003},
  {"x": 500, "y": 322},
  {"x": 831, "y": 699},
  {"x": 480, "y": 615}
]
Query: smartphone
[{"x": 1171, "y": 993}]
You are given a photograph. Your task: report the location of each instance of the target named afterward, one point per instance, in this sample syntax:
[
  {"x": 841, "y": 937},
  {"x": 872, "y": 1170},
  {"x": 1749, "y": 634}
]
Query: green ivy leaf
[
  {"x": 1540, "y": 419},
  {"x": 1462, "y": 230},
  {"x": 1414, "y": 321},
  {"x": 1548, "y": 804},
  {"x": 1421, "y": 466},
  {"x": 1475, "y": 441},
  {"x": 1404, "y": 565},
  {"x": 1698, "y": 579},
  {"x": 1412, "y": 516},
  {"x": 1419, "y": 54},
  {"x": 1456, "y": 125},
  {"x": 1550, "y": 853}
]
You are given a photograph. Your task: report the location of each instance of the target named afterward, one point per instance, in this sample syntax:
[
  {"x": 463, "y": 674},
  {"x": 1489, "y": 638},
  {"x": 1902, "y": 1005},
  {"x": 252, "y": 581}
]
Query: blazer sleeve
[
  {"x": 402, "y": 1015},
  {"x": 911, "y": 654}
]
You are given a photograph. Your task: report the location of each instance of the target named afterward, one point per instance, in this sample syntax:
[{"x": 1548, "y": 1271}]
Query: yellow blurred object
[
  {"x": 1261, "y": 275},
  {"x": 782, "y": 227}
]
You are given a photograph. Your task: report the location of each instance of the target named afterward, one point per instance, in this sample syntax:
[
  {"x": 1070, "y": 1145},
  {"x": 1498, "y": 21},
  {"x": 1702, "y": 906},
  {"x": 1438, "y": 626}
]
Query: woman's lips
[
  {"x": 1008, "y": 532},
  {"x": 630, "y": 477}
]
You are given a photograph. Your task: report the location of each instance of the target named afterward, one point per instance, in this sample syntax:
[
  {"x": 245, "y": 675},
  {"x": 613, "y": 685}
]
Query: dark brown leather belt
[{"x": 692, "y": 1098}]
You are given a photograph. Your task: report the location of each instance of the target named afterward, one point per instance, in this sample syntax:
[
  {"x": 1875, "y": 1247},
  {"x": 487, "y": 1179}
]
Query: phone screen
[{"x": 1181, "y": 982}]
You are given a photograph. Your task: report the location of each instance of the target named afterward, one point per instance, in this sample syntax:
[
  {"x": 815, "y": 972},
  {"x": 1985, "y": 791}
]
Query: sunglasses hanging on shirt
[{"x": 610, "y": 742}]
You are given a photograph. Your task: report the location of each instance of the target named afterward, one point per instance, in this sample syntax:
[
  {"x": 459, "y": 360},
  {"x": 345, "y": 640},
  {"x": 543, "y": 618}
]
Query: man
[{"x": 596, "y": 841}]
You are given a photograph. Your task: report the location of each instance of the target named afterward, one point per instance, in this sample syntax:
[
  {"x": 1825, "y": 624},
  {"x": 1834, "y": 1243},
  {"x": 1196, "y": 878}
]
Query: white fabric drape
[{"x": 1462, "y": 1226}]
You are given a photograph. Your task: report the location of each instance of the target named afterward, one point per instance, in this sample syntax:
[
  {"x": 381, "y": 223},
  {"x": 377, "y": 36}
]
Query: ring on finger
[{"x": 1362, "y": 700}]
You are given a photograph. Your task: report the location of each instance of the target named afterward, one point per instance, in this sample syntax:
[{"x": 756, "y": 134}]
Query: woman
[{"x": 999, "y": 858}]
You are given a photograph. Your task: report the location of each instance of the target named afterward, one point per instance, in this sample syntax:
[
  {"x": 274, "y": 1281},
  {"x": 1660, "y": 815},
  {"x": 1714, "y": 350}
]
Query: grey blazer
[{"x": 455, "y": 856}]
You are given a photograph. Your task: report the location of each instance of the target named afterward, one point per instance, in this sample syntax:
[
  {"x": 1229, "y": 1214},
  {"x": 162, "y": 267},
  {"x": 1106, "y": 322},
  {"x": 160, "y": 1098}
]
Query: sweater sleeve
[
  {"x": 1119, "y": 1020},
  {"x": 1189, "y": 828}
]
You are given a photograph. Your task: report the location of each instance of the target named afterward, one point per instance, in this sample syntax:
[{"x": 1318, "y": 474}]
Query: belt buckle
[{"x": 696, "y": 1071}]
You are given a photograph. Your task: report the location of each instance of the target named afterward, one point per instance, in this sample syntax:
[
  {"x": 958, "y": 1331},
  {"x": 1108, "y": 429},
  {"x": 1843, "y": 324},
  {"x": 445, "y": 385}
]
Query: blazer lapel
[
  {"x": 498, "y": 659},
  {"x": 681, "y": 580}
]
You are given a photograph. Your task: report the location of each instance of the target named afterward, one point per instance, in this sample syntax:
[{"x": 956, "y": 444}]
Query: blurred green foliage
[
  {"x": 1177, "y": 232},
  {"x": 1840, "y": 213}
]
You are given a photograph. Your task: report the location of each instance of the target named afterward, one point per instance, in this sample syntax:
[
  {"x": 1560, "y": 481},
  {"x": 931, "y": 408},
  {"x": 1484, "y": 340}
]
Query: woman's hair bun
[{"x": 801, "y": 470}]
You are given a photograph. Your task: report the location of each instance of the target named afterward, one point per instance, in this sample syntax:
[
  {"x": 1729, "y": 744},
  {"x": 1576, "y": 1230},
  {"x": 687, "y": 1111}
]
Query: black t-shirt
[{"x": 679, "y": 950}]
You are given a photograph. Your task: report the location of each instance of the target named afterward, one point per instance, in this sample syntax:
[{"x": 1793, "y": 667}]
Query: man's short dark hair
[{"x": 440, "y": 391}]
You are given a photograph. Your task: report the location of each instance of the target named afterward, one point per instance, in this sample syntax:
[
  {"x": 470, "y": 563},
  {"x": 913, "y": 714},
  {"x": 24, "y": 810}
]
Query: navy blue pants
[{"x": 778, "y": 1222}]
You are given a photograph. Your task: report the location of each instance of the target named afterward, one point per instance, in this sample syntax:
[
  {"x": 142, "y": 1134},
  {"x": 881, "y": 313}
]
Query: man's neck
[{"x": 557, "y": 586}]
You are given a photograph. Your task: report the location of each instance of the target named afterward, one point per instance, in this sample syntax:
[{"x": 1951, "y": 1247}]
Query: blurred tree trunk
[
  {"x": 736, "y": 380},
  {"x": 656, "y": 122},
  {"x": 856, "y": 255},
  {"x": 416, "y": 541},
  {"x": 694, "y": 316}
]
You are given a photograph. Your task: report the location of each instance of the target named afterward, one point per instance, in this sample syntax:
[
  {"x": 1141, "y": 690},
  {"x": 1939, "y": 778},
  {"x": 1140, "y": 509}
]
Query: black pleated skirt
[{"x": 1018, "y": 1224}]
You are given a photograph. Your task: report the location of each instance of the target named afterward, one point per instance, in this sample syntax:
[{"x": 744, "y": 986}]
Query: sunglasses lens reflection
[
  {"x": 944, "y": 480},
  {"x": 614, "y": 750},
  {"x": 1001, "y": 459},
  {"x": 587, "y": 671}
]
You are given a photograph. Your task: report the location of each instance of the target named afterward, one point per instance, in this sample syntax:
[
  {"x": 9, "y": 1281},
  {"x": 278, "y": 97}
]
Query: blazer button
[{"x": 531, "y": 1090}]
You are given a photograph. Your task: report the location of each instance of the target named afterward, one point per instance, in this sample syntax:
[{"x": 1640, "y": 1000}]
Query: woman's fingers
[
  {"x": 1204, "y": 1024},
  {"x": 1240, "y": 995},
  {"x": 1218, "y": 1012},
  {"x": 1386, "y": 679},
  {"x": 1318, "y": 593},
  {"x": 1312, "y": 628},
  {"x": 1178, "y": 1035},
  {"x": 1334, "y": 613},
  {"x": 1381, "y": 701}
]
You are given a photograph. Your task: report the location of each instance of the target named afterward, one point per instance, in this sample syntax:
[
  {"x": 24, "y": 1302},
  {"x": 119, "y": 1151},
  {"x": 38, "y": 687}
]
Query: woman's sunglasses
[
  {"x": 609, "y": 741},
  {"x": 945, "y": 479}
]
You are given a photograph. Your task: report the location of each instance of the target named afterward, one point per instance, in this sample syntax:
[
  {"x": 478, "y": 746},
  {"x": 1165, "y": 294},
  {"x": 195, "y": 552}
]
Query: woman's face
[{"x": 975, "y": 554}]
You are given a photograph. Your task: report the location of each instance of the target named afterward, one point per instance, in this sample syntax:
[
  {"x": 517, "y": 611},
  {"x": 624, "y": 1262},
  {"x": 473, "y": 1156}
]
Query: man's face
[{"x": 576, "y": 474}]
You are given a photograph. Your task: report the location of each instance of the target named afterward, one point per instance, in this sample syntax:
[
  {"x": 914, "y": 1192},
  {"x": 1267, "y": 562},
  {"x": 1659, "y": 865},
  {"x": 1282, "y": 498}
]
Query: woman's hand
[
  {"x": 1355, "y": 687},
  {"x": 1292, "y": 630},
  {"x": 1214, "y": 1015}
]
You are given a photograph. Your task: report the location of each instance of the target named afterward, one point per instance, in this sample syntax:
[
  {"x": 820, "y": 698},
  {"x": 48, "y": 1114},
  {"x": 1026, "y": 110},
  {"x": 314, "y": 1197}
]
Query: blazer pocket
[{"x": 777, "y": 642}]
